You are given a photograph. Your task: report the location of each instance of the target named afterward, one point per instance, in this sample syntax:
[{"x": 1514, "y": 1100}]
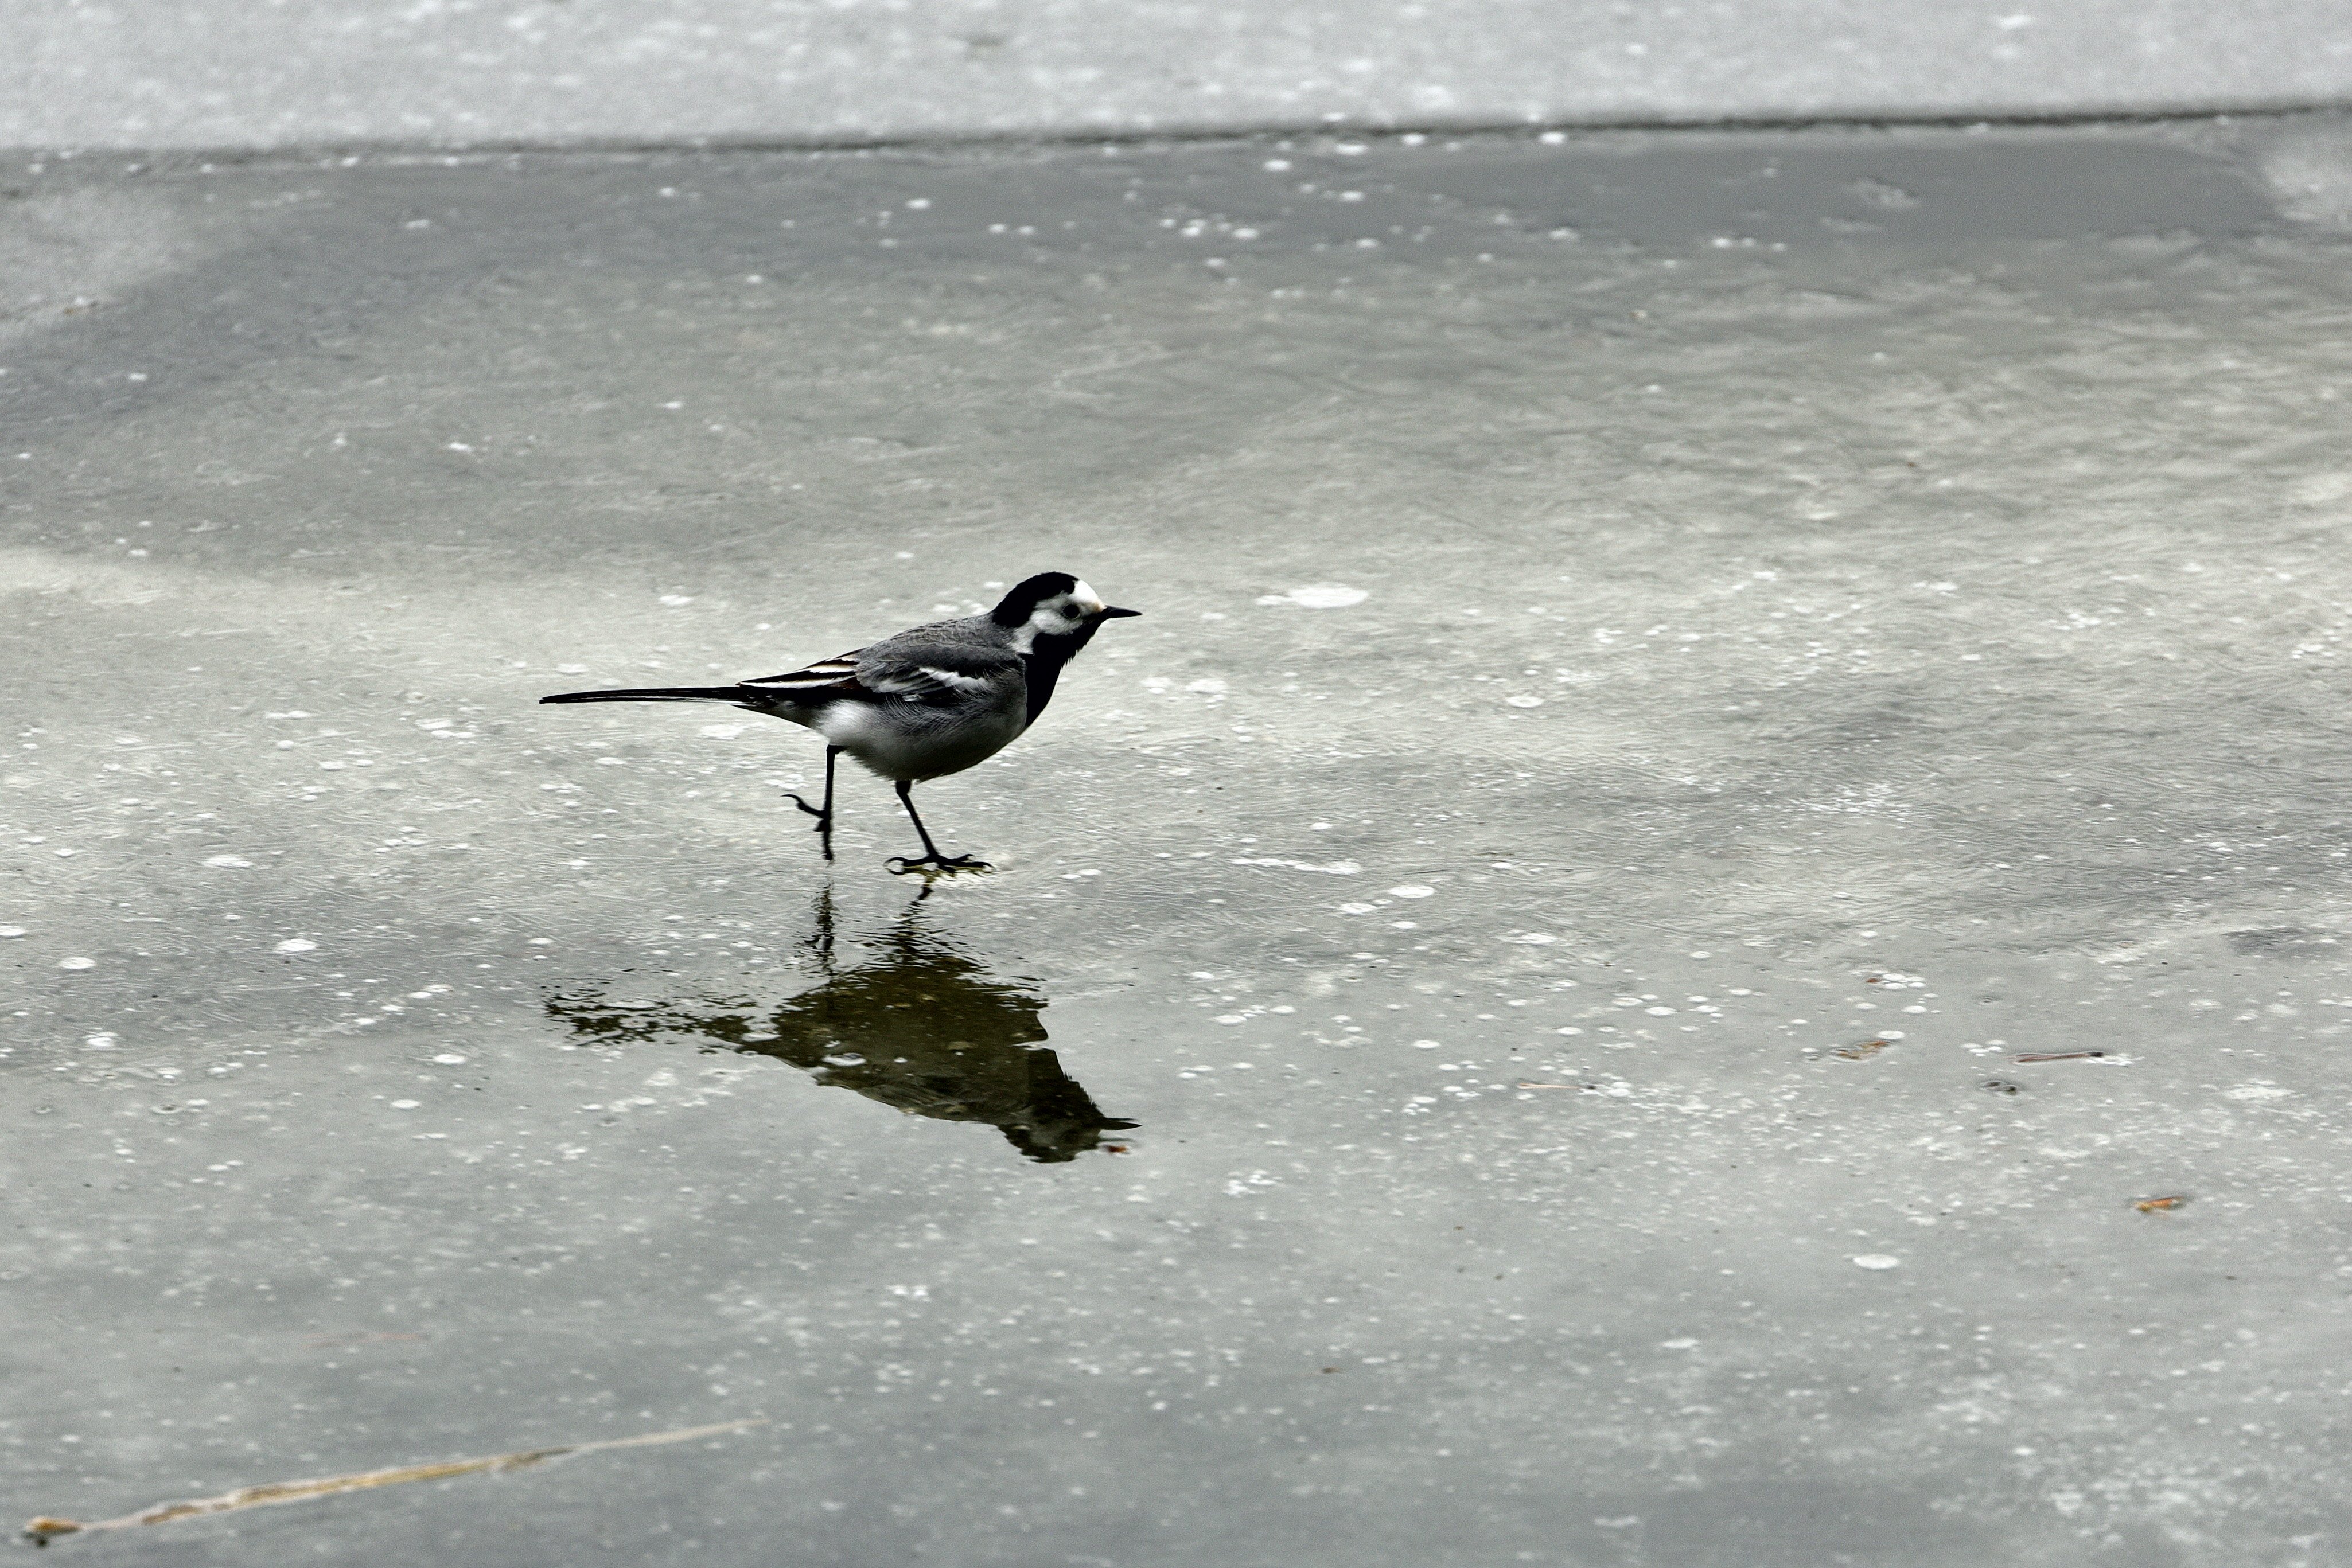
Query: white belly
[{"x": 912, "y": 743}]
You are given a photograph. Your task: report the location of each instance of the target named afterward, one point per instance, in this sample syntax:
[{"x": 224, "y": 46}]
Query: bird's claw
[
  {"x": 824, "y": 819},
  {"x": 934, "y": 865}
]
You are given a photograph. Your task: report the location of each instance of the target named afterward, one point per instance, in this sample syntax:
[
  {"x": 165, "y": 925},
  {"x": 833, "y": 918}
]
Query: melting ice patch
[
  {"x": 2310, "y": 177},
  {"x": 1319, "y": 596}
]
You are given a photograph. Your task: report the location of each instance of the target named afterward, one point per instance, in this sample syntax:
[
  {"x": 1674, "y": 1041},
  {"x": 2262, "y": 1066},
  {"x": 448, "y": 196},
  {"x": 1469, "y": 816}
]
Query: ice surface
[
  {"x": 330, "y": 72},
  {"x": 1937, "y": 606}
]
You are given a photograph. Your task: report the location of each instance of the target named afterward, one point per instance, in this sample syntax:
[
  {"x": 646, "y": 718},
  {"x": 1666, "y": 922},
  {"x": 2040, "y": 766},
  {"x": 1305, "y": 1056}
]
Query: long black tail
[{"x": 652, "y": 694}]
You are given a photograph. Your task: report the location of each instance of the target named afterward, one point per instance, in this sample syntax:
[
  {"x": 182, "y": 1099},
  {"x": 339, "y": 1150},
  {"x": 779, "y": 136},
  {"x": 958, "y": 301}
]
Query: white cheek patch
[{"x": 1056, "y": 616}]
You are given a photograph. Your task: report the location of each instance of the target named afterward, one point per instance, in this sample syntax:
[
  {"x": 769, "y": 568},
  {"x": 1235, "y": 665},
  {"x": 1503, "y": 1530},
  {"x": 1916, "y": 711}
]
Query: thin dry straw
[{"x": 44, "y": 1529}]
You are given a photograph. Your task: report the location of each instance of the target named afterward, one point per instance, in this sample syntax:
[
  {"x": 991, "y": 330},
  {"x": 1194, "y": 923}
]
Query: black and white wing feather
[
  {"x": 906, "y": 668},
  {"x": 940, "y": 673},
  {"x": 827, "y": 679}
]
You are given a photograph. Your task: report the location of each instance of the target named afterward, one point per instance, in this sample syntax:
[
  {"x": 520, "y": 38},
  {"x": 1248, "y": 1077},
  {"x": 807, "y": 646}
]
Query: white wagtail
[{"x": 928, "y": 702}]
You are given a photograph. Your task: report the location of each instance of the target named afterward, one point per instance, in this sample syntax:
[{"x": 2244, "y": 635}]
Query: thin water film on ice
[{"x": 1703, "y": 923}]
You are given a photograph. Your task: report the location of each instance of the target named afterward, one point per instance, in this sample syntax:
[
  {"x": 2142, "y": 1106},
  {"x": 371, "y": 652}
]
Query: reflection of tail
[{"x": 651, "y": 694}]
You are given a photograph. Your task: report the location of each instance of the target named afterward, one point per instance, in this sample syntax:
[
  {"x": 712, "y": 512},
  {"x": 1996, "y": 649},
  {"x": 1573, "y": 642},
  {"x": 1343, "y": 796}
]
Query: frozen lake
[{"x": 1502, "y": 1029}]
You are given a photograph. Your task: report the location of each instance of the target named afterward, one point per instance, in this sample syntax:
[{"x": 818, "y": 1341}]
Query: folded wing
[{"x": 902, "y": 669}]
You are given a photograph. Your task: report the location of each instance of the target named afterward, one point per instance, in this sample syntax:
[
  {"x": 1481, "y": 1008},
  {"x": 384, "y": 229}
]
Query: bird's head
[{"x": 1053, "y": 604}]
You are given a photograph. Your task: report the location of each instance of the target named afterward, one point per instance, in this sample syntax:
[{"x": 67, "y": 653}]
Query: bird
[{"x": 924, "y": 702}]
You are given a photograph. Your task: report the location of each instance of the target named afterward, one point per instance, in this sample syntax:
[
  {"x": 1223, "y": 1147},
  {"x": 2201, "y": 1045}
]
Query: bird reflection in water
[{"x": 917, "y": 1025}]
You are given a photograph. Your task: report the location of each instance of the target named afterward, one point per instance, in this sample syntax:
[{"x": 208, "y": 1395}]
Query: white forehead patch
[{"x": 1086, "y": 596}]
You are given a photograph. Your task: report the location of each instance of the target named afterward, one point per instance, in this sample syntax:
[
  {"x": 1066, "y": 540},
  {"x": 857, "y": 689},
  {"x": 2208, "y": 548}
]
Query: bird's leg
[
  {"x": 824, "y": 828},
  {"x": 931, "y": 855},
  {"x": 820, "y": 941}
]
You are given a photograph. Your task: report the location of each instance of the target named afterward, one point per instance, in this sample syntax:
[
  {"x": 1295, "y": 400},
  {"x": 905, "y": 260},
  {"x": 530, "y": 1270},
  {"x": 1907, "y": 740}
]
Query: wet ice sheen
[{"x": 1934, "y": 607}]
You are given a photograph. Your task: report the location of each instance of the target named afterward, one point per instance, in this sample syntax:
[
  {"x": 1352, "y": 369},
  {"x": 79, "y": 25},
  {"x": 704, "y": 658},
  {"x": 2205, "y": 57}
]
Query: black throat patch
[{"x": 1042, "y": 664}]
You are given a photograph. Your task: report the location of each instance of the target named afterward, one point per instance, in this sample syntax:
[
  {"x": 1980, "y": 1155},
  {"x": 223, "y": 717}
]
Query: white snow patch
[{"x": 1319, "y": 596}]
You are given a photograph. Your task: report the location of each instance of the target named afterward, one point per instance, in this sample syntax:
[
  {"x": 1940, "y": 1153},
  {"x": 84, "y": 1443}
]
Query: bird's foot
[
  {"x": 824, "y": 829},
  {"x": 935, "y": 865}
]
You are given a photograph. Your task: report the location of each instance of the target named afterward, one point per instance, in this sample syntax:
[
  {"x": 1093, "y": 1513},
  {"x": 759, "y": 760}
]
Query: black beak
[{"x": 1112, "y": 612}]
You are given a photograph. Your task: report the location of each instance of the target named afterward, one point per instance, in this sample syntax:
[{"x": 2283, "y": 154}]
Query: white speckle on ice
[
  {"x": 450, "y": 1059},
  {"x": 226, "y": 862},
  {"x": 1319, "y": 596},
  {"x": 1677, "y": 1343},
  {"x": 1410, "y": 890},
  {"x": 1231, "y": 1019},
  {"x": 297, "y": 945},
  {"x": 570, "y": 669},
  {"x": 77, "y": 962},
  {"x": 724, "y": 731},
  {"x": 1533, "y": 939},
  {"x": 1336, "y": 868},
  {"x": 104, "y": 1039},
  {"x": 1358, "y": 908},
  {"x": 1875, "y": 1261},
  {"x": 12, "y": 930},
  {"x": 405, "y": 1104},
  {"x": 675, "y": 599},
  {"x": 1426, "y": 1044},
  {"x": 2256, "y": 1092},
  {"x": 1525, "y": 699}
]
